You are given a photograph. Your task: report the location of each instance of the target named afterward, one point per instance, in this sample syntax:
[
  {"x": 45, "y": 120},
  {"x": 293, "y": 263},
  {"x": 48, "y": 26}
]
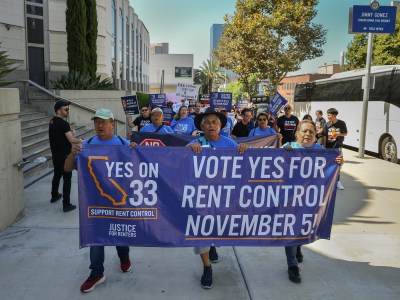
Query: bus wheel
[{"x": 389, "y": 149}]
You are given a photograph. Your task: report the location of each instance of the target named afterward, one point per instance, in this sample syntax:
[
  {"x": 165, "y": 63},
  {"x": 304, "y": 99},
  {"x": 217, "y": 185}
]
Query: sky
[{"x": 185, "y": 25}]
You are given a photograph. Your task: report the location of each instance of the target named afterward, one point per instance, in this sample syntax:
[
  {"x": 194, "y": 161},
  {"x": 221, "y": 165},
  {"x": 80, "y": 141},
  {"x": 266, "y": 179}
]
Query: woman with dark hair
[
  {"x": 305, "y": 138},
  {"x": 182, "y": 124},
  {"x": 307, "y": 117}
]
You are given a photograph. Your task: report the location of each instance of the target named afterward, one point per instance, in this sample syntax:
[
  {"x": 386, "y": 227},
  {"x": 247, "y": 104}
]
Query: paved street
[{"x": 40, "y": 257}]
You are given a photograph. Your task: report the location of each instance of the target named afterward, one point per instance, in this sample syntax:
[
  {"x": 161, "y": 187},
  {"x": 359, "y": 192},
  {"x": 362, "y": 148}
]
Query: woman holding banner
[{"x": 305, "y": 138}]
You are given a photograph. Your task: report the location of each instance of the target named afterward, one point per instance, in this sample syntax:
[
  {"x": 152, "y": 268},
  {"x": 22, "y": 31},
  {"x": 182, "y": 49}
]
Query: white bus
[{"x": 343, "y": 92}]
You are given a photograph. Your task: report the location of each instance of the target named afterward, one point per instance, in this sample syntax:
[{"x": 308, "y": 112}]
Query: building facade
[
  {"x": 174, "y": 68},
  {"x": 159, "y": 48},
  {"x": 34, "y": 34},
  {"x": 215, "y": 35}
]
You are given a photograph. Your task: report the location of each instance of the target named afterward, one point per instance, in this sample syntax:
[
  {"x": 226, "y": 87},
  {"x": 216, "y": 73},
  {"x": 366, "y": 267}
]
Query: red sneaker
[
  {"x": 91, "y": 283},
  {"x": 125, "y": 264}
]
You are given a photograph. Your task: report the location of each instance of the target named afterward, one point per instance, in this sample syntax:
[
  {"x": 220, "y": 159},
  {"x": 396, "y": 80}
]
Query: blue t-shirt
[
  {"x": 259, "y": 131},
  {"x": 116, "y": 140},
  {"x": 183, "y": 126},
  {"x": 226, "y": 131},
  {"x": 223, "y": 143},
  {"x": 153, "y": 128},
  {"x": 294, "y": 145}
]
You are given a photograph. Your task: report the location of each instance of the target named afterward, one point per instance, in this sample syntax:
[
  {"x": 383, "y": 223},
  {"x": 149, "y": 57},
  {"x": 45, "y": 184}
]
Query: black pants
[{"x": 58, "y": 163}]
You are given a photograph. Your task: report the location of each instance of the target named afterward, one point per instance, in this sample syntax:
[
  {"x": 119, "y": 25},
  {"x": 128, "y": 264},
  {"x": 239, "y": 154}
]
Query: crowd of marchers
[{"x": 214, "y": 128}]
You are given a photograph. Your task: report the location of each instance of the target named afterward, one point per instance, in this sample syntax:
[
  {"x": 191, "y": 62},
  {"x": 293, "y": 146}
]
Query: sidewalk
[{"x": 40, "y": 256}]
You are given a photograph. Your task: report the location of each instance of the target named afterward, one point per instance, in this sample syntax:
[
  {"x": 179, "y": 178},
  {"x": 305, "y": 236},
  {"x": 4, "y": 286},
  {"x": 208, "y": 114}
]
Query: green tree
[
  {"x": 386, "y": 49},
  {"x": 270, "y": 38},
  {"x": 5, "y": 66},
  {"x": 76, "y": 36},
  {"x": 237, "y": 89},
  {"x": 357, "y": 52},
  {"x": 91, "y": 37},
  {"x": 210, "y": 70},
  {"x": 201, "y": 78}
]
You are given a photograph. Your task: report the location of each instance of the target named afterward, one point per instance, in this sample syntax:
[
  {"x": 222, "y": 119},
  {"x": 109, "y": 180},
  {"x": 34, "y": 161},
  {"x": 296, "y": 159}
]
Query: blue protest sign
[
  {"x": 168, "y": 114},
  {"x": 169, "y": 196},
  {"x": 222, "y": 101},
  {"x": 243, "y": 103},
  {"x": 365, "y": 19},
  {"x": 157, "y": 100},
  {"x": 130, "y": 105},
  {"x": 276, "y": 104}
]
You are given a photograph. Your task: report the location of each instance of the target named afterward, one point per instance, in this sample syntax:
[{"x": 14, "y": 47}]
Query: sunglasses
[
  {"x": 262, "y": 119},
  {"x": 144, "y": 109}
]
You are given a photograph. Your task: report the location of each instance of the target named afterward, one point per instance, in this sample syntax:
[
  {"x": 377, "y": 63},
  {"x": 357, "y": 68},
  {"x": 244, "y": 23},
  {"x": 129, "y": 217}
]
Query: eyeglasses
[
  {"x": 145, "y": 109},
  {"x": 287, "y": 108},
  {"x": 262, "y": 119},
  {"x": 156, "y": 115}
]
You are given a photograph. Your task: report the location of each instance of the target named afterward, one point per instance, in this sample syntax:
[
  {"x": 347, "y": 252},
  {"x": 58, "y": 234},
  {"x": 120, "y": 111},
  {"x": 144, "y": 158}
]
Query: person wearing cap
[
  {"x": 104, "y": 127},
  {"x": 211, "y": 122},
  {"x": 61, "y": 138},
  {"x": 287, "y": 125},
  {"x": 157, "y": 125}
]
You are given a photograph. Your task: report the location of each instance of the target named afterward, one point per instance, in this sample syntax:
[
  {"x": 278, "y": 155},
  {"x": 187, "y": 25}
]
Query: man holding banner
[
  {"x": 104, "y": 127},
  {"x": 211, "y": 123}
]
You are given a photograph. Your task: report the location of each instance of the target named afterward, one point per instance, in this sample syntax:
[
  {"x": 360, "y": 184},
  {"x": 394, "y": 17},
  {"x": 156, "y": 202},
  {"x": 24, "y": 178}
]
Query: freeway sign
[{"x": 363, "y": 19}]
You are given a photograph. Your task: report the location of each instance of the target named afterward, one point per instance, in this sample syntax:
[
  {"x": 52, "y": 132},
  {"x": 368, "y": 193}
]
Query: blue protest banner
[
  {"x": 157, "y": 100},
  {"x": 276, "y": 104},
  {"x": 130, "y": 105},
  {"x": 222, "y": 101},
  {"x": 169, "y": 139},
  {"x": 168, "y": 196}
]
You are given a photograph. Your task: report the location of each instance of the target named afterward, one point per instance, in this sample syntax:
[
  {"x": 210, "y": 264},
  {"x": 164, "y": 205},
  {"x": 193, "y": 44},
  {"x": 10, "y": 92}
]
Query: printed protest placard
[
  {"x": 130, "y": 105},
  {"x": 188, "y": 91},
  {"x": 157, "y": 100},
  {"x": 243, "y": 103},
  {"x": 276, "y": 104},
  {"x": 222, "y": 101}
]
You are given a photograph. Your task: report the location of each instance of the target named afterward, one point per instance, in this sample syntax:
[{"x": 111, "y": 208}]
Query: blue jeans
[
  {"x": 97, "y": 258},
  {"x": 291, "y": 252}
]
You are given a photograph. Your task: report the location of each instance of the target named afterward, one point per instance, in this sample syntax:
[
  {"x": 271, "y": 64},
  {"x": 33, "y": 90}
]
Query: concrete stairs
[{"x": 35, "y": 143}]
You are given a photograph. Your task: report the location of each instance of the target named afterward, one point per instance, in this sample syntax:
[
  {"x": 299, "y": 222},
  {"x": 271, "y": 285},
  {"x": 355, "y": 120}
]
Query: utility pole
[{"x": 366, "y": 86}]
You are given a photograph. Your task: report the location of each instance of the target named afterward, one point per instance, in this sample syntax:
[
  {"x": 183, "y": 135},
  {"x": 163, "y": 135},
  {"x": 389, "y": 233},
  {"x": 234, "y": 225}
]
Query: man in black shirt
[
  {"x": 140, "y": 121},
  {"x": 334, "y": 132},
  {"x": 243, "y": 127},
  {"x": 287, "y": 125},
  {"x": 61, "y": 137}
]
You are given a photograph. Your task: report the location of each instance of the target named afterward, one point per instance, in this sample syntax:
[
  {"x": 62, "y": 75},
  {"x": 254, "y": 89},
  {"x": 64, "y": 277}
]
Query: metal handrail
[{"x": 49, "y": 93}]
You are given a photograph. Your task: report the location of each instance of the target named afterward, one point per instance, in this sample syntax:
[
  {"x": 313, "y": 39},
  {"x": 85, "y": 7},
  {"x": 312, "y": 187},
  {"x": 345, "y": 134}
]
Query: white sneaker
[{"x": 340, "y": 185}]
